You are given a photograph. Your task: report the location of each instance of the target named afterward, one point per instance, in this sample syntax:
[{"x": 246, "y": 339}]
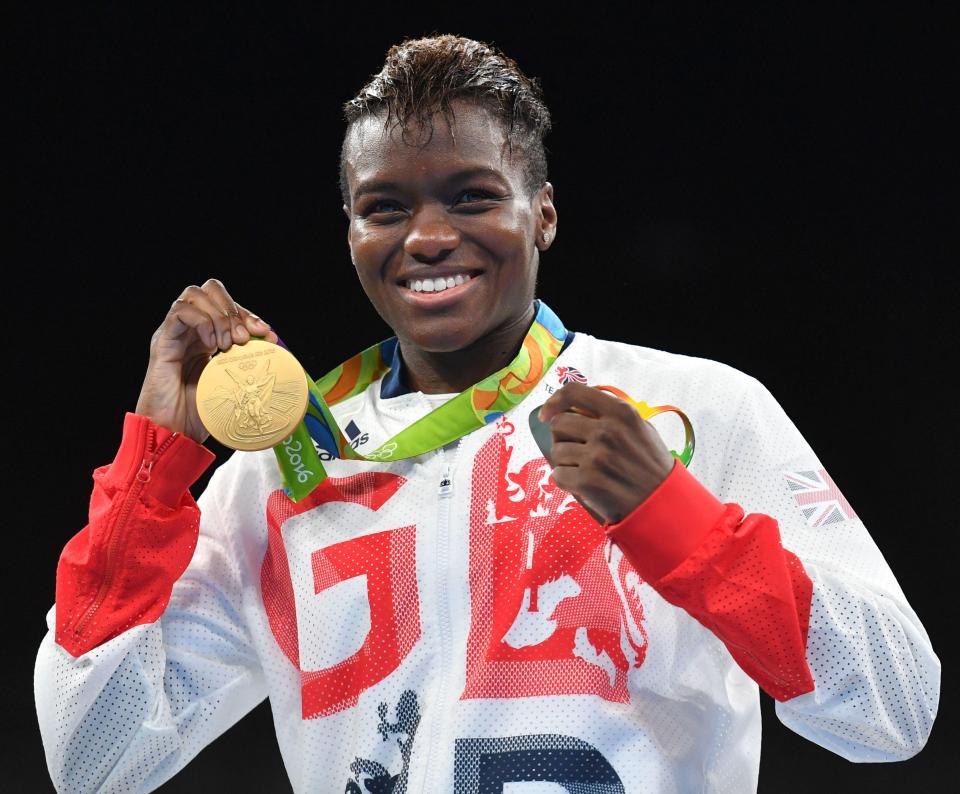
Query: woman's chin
[{"x": 440, "y": 341}]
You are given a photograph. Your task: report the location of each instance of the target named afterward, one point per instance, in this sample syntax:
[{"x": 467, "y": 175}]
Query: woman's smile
[
  {"x": 444, "y": 236},
  {"x": 440, "y": 292}
]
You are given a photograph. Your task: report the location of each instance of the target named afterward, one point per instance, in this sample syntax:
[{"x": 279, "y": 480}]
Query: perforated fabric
[
  {"x": 738, "y": 581},
  {"x": 119, "y": 570},
  {"x": 455, "y": 622}
]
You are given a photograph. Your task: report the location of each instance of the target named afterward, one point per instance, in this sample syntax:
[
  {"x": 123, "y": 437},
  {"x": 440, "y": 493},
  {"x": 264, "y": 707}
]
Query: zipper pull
[
  {"x": 144, "y": 474},
  {"x": 446, "y": 485},
  {"x": 146, "y": 466},
  {"x": 446, "y": 481}
]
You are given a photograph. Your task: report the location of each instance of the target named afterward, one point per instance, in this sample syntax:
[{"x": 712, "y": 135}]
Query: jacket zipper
[
  {"x": 114, "y": 534},
  {"x": 445, "y": 492}
]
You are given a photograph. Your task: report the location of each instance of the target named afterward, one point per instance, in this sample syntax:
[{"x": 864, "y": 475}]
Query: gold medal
[{"x": 252, "y": 396}]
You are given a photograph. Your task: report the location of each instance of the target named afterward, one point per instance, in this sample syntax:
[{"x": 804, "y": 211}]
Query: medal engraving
[{"x": 252, "y": 396}]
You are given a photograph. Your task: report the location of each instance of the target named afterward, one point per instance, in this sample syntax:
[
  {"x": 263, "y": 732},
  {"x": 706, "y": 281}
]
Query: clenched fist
[{"x": 603, "y": 452}]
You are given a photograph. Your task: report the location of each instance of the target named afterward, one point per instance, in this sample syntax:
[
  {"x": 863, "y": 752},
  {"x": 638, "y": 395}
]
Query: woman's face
[{"x": 452, "y": 209}]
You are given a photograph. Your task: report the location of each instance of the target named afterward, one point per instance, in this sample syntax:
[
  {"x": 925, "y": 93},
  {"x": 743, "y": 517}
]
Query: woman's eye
[
  {"x": 387, "y": 206},
  {"x": 379, "y": 206},
  {"x": 474, "y": 192}
]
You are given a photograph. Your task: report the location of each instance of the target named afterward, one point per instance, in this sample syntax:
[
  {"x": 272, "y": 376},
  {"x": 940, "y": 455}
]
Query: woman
[{"x": 590, "y": 613}]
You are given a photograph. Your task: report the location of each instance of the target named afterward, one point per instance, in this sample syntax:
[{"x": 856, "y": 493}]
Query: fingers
[
  {"x": 255, "y": 326},
  {"x": 570, "y": 479},
  {"x": 214, "y": 298},
  {"x": 184, "y": 317},
  {"x": 219, "y": 321},
  {"x": 585, "y": 399},
  {"x": 567, "y": 478},
  {"x": 567, "y": 453},
  {"x": 582, "y": 429},
  {"x": 569, "y": 426}
]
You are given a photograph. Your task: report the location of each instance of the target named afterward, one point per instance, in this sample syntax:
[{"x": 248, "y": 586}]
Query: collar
[{"x": 392, "y": 384}]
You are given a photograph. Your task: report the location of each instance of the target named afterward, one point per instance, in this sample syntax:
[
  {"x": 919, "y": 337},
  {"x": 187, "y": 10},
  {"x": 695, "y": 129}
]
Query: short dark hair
[{"x": 420, "y": 77}]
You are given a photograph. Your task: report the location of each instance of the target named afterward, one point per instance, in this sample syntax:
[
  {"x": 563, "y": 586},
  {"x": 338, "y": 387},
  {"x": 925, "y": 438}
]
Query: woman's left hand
[{"x": 605, "y": 454}]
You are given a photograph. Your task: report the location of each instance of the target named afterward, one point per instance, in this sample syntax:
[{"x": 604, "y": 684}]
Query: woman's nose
[{"x": 430, "y": 236}]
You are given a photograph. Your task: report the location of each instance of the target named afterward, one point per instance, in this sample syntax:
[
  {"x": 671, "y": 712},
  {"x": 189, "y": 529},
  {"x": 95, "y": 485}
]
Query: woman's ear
[{"x": 546, "y": 216}]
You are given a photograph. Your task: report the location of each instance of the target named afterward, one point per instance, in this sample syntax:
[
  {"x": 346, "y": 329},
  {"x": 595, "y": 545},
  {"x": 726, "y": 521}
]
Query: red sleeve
[
  {"x": 119, "y": 570},
  {"x": 730, "y": 572}
]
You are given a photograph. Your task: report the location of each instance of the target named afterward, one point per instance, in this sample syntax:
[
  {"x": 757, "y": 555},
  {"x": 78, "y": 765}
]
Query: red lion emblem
[{"x": 550, "y": 615}]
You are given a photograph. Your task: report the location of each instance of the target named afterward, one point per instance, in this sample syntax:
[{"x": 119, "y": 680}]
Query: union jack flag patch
[
  {"x": 568, "y": 374},
  {"x": 818, "y": 497}
]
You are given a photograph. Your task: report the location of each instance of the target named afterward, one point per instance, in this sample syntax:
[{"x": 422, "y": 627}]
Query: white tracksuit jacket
[{"x": 456, "y": 623}]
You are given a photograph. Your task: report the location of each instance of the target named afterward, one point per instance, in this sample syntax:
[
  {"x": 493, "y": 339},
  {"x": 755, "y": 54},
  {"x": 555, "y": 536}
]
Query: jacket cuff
[
  {"x": 178, "y": 467},
  {"x": 668, "y": 526}
]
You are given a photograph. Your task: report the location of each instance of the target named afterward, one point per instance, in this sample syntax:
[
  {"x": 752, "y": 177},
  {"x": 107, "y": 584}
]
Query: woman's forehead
[{"x": 475, "y": 137}]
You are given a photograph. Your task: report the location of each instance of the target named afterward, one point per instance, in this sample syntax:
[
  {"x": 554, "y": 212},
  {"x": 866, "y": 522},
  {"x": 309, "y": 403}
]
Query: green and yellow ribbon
[{"x": 479, "y": 405}]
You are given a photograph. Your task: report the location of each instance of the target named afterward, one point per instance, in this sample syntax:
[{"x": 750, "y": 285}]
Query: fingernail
[
  {"x": 241, "y": 331},
  {"x": 225, "y": 339}
]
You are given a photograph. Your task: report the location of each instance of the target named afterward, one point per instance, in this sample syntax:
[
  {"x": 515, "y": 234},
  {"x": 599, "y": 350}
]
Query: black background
[{"x": 772, "y": 188}]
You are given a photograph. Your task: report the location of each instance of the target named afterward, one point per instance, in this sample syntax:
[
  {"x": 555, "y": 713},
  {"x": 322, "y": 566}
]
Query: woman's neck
[{"x": 452, "y": 372}]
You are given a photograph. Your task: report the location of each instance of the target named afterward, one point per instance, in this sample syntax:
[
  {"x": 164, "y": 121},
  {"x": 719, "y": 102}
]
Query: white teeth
[{"x": 438, "y": 284}]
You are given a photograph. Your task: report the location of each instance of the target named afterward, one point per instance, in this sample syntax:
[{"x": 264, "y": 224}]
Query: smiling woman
[
  {"x": 442, "y": 185},
  {"x": 507, "y": 576},
  {"x": 455, "y": 207}
]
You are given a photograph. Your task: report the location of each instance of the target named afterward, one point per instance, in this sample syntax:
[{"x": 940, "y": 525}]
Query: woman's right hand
[{"x": 200, "y": 322}]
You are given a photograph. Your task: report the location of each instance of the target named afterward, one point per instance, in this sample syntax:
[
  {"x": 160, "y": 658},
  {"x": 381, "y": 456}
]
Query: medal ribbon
[{"x": 479, "y": 405}]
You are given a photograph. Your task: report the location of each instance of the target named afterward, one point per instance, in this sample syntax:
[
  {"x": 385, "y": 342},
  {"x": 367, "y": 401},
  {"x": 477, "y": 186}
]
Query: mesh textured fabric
[
  {"x": 739, "y": 582},
  {"x": 119, "y": 570},
  {"x": 455, "y": 622}
]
